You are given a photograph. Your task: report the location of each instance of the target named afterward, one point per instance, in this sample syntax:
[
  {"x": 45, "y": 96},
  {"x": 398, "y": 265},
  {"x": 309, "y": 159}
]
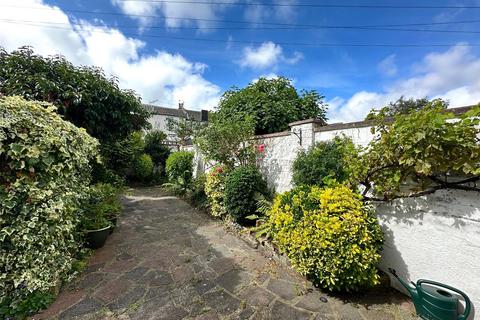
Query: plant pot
[
  {"x": 96, "y": 238},
  {"x": 113, "y": 221}
]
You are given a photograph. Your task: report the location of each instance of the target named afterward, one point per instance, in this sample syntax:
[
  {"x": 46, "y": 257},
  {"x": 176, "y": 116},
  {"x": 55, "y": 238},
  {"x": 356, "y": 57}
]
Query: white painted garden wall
[{"x": 435, "y": 237}]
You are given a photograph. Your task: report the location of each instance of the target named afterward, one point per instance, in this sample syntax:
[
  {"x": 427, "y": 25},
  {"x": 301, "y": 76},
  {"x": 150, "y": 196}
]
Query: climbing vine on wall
[{"x": 421, "y": 152}]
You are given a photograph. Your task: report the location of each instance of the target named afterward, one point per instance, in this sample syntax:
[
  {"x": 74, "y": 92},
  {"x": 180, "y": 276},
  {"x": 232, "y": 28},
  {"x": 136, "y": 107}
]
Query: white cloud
[
  {"x": 387, "y": 66},
  {"x": 159, "y": 75},
  {"x": 267, "y": 55},
  {"x": 451, "y": 75},
  {"x": 261, "y": 13},
  {"x": 297, "y": 56},
  {"x": 176, "y": 14}
]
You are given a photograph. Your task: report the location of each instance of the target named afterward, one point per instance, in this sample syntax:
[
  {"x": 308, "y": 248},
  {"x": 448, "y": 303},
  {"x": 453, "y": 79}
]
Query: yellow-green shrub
[
  {"x": 215, "y": 191},
  {"x": 328, "y": 235},
  {"x": 44, "y": 172}
]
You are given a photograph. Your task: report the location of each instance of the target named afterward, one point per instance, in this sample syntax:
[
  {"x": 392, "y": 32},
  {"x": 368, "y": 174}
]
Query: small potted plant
[
  {"x": 111, "y": 208},
  {"x": 100, "y": 216},
  {"x": 97, "y": 228},
  {"x": 104, "y": 201}
]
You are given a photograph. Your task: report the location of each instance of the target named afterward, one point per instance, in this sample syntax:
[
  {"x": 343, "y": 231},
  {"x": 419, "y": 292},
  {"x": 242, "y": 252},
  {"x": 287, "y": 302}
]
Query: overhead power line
[
  {"x": 309, "y": 5},
  {"x": 251, "y": 23},
  {"x": 307, "y": 44},
  {"x": 363, "y": 28}
]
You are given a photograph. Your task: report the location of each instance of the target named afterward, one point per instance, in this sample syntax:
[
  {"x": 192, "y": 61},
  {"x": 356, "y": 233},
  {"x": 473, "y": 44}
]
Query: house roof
[
  {"x": 367, "y": 123},
  {"x": 174, "y": 112}
]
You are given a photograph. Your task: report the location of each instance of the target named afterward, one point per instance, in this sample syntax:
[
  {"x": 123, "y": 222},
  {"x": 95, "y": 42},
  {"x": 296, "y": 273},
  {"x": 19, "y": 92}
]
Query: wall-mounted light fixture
[{"x": 298, "y": 134}]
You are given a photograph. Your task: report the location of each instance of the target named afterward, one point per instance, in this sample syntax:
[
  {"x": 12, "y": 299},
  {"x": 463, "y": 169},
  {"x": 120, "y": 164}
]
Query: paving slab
[{"x": 165, "y": 260}]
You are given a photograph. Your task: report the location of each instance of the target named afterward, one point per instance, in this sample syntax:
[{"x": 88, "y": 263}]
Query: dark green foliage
[
  {"x": 179, "y": 167},
  {"x": 321, "y": 163},
  {"x": 83, "y": 95},
  {"x": 102, "y": 174},
  {"x": 120, "y": 156},
  {"x": 29, "y": 305},
  {"x": 272, "y": 103},
  {"x": 155, "y": 147},
  {"x": 100, "y": 205},
  {"x": 197, "y": 195},
  {"x": 143, "y": 167},
  {"x": 401, "y": 106},
  {"x": 241, "y": 187}
]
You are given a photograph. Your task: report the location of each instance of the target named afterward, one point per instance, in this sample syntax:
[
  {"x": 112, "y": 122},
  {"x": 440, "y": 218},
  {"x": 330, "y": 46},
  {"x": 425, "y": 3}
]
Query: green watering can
[{"x": 432, "y": 302}]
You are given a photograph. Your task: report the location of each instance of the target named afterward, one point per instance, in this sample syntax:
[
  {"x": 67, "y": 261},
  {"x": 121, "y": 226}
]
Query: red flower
[{"x": 261, "y": 148}]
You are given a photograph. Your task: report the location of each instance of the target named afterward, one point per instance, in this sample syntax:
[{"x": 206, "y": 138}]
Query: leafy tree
[
  {"x": 228, "y": 143},
  {"x": 121, "y": 155},
  {"x": 83, "y": 95},
  {"x": 184, "y": 129},
  {"x": 155, "y": 147},
  {"x": 272, "y": 104},
  {"x": 401, "y": 106},
  {"x": 421, "y": 152}
]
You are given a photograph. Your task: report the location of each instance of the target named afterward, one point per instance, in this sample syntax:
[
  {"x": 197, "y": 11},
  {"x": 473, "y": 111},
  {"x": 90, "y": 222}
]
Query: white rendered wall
[
  {"x": 360, "y": 136},
  {"x": 159, "y": 122},
  {"x": 436, "y": 237},
  {"x": 280, "y": 152}
]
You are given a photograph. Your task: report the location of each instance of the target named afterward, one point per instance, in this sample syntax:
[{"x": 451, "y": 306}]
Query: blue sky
[{"x": 139, "y": 42}]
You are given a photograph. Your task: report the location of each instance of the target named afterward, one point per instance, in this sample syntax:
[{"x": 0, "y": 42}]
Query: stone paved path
[{"x": 168, "y": 261}]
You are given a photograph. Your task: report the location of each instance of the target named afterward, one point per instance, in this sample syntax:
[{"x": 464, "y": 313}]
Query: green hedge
[
  {"x": 325, "y": 161},
  {"x": 44, "y": 172},
  {"x": 155, "y": 147},
  {"x": 143, "y": 167},
  {"x": 179, "y": 166}
]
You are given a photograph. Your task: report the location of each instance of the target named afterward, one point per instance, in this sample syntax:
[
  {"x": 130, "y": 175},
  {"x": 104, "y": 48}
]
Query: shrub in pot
[
  {"x": 97, "y": 228},
  {"x": 101, "y": 212}
]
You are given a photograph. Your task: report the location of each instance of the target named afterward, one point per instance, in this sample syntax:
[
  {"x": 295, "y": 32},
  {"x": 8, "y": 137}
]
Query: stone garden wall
[{"x": 435, "y": 237}]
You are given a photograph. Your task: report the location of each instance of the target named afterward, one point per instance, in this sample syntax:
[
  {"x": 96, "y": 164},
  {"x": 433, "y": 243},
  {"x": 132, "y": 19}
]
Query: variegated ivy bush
[
  {"x": 329, "y": 235},
  {"x": 44, "y": 172}
]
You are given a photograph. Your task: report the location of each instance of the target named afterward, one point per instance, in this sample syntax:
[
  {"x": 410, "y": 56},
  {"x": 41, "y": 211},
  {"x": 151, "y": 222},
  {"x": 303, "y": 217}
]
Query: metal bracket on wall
[{"x": 298, "y": 134}]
